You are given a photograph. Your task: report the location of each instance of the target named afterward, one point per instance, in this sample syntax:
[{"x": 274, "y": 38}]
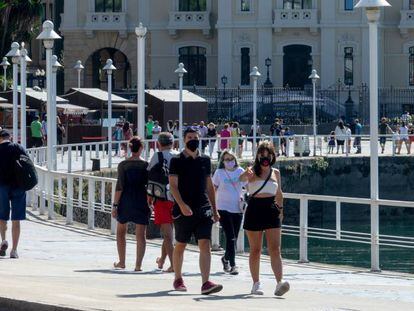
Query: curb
[{"x": 20, "y": 305}]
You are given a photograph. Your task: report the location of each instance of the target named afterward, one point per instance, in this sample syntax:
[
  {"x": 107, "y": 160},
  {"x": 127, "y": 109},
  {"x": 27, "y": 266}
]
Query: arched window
[
  {"x": 411, "y": 66},
  {"x": 349, "y": 66},
  {"x": 108, "y": 5},
  {"x": 194, "y": 60},
  {"x": 245, "y": 66},
  {"x": 297, "y": 4},
  {"x": 192, "y": 5}
]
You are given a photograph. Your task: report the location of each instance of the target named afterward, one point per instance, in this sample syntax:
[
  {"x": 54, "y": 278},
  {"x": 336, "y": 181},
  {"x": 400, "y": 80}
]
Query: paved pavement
[{"x": 71, "y": 267}]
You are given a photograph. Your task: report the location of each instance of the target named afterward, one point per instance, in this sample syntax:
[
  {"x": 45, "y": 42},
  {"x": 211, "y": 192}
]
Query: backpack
[
  {"x": 158, "y": 179},
  {"x": 25, "y": 173}
]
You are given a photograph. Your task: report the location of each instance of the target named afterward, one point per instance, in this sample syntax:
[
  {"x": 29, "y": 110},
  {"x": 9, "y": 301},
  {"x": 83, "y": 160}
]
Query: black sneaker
[
  {"x": 234, "y": 270},
  {"x": 3, "y": 247},
  {"x": 226, "y": 264}
]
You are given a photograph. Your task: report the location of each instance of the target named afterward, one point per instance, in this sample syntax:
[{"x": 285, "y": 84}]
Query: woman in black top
[
  {"x": 130, "y": 203},
  {"x": 211, "y": 134}
]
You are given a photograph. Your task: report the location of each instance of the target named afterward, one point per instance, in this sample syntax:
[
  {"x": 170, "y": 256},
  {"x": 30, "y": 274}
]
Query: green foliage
[{"x": 320, "y": 165}]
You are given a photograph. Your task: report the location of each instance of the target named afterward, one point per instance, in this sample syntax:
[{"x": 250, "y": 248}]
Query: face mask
[
  {"x": 193, "y": 144},
  {"x": 265, "y": 161},
  {"x": 229, "y": 164}
]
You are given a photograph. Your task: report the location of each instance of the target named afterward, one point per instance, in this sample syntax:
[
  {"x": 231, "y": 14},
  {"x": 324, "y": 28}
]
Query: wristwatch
[{"x": 115, "y": 205}]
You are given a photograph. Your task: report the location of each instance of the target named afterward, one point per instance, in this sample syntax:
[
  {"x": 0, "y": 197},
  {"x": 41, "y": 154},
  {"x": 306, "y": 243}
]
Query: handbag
[{"x": 242, "y": 202}]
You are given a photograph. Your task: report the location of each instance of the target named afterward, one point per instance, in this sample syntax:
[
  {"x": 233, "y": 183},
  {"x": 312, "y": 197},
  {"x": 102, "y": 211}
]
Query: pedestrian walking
[
  {"x": 130, "y": 203},
  {"x": 202, "y": 128},
  {"x": 159, "y": 195},
  {"x": 230, "y": 205},
  {"x": 264, "y": 214},
  {"x": 341, "y": 136},
  {"x": 358, "y": 133},
  {"x": 17, "y": 175},
  {"x": 384, "y": 130},
  {"x": 194, "y": 210},
  {"x": 224, "y": 137},
  {"x": 36, "y": 133}
]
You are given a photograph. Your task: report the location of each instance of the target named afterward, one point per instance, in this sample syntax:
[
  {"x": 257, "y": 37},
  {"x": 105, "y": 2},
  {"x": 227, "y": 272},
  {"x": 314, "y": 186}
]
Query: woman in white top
[
  {"x": 264, "y": 214},
  {"x": 340, "y": 134},
  {"x": 404, "y": 138},
  {"x": 228, "y": 200}
]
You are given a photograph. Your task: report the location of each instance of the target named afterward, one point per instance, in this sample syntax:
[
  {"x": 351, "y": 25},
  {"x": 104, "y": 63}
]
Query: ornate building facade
[{"x": 216, "y": 38}]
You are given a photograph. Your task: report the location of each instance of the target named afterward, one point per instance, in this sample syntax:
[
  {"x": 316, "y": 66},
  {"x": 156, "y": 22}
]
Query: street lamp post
[
  {"x": 314, "y": 77},
  {"x": 180, "y": 71},
  {"x": 48, "y": 35},
  {"x": 268, "y": 83},
  {"x": 224, "y": 81},
  {"x": 5, "y": 64},
  {"x": 14, "y": 53},
  {"x": 55, "y": 67},
  {"x": 141, "y": 33},
  {"x": 79, "y": 67},
  {"x": 373, "y": 14},
  {"x": 109, "y": 68},
  {"x": 24, "y": 59},
  {"x": 255, "y": 75}
]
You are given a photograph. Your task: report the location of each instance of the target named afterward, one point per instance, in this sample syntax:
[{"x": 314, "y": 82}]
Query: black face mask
[
  {"x": 193, "y": 144},
  {"x": 265, "y": 161}
]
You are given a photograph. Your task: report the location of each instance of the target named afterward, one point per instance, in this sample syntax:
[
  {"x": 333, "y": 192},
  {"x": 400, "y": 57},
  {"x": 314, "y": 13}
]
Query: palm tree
[{"x": 18, "y": 20}]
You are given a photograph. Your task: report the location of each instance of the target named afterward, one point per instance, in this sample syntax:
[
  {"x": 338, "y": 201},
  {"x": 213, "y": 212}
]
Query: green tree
[{"x": 19, "y": 21}]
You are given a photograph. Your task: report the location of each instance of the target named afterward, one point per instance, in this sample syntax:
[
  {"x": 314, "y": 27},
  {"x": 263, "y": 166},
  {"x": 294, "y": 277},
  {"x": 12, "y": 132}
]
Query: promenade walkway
[{"x": 69, "y": 266}]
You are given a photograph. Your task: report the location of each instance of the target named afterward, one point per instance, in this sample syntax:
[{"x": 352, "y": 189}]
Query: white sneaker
[
  {"x": 282, "y": 288},
  {"x": 257, "y": 289},
  {"x": 14, "y": 255}
]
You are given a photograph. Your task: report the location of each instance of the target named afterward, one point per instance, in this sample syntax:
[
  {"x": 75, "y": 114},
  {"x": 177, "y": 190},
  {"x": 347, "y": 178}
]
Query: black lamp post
[
  {"x": 268, "y": 83},
  {"x": 224, "y": 81},
  {"x": 349, "y": 104}
]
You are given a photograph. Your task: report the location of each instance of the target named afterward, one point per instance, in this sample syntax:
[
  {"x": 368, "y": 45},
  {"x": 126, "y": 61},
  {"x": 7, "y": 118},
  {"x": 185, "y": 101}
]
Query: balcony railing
[
  {"x": 106, "y": 21},
  {"x": 407, "y": 21},
  {"x": 189, "y": 21},
  {"x": 289, "y": 18}
]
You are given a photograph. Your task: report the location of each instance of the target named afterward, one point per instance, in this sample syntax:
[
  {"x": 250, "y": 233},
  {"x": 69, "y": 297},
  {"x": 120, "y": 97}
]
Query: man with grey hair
[{"x": 159, "y": 196}]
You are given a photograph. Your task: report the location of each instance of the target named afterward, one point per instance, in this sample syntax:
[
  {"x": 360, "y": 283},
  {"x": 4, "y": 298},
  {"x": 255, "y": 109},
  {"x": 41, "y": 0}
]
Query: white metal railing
[
  {"x": 79, "y": 157},
  {"x": 96, "y": 194}
]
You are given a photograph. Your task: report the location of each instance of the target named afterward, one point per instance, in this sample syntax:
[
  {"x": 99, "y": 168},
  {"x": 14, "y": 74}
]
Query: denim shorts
[{"x": 14, "y": 200}]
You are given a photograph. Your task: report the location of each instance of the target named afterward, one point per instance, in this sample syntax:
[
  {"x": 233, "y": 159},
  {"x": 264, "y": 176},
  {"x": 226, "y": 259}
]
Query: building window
[
  {"x": 245, "y": 66},
  {"x": 297, "y": 4},
  {"x": 349, "y": 66},
  {"x": 349, "y": 5},
  {"x": 245, "y": 5},
  {"x": 411, "y": 66},
  {"x": 194, "y": 60},
  {"x": 192, "y": 5},
  {"x": 108, "y": 5}
]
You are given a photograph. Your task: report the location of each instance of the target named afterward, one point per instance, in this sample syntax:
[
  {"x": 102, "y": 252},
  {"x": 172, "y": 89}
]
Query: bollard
[
  {"x": 215, "y": 237},
  {"x": 303, "y": 228}
]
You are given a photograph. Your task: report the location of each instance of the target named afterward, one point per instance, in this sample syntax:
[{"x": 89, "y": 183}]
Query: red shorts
[{"x": 163, "y": 212}]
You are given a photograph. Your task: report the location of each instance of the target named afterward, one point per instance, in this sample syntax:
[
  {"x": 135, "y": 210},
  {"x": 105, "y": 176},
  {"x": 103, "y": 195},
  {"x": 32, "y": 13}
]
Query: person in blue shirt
[
  {"x": 117, "y": 137},
  {"x": 358, "y": 132}
]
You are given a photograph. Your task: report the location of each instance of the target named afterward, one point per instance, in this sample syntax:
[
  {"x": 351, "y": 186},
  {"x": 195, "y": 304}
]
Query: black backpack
[
  {"x": 25, "y": 172},
  {"x": 158, "y": 179}
]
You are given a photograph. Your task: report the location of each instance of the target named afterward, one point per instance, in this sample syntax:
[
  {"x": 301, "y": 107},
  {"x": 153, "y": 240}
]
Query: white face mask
[{"x": 229, "y": 165}]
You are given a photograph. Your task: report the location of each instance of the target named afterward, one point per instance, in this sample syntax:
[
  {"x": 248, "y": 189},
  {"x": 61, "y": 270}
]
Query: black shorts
[
  {"x": 187, "y": 226},
  {"x": 262, "y": 214},
  {"x": 340, "y": 142}
]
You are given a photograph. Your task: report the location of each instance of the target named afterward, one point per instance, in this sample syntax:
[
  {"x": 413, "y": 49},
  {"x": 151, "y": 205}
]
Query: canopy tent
[{"x": 70, "y": 109}]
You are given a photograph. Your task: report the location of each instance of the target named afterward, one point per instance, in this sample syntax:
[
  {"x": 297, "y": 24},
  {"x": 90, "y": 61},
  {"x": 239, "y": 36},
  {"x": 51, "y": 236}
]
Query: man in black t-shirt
[
  {"x": 194, "y": 209},
  {"x": 12, "y": 198}
]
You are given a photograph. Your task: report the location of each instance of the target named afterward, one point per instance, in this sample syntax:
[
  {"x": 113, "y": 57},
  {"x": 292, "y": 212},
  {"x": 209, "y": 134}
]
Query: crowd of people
[{"x": 182, "y": 192}]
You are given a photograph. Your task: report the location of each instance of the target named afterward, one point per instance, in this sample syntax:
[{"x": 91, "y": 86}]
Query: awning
[
  {"x": 72, "y": 109},
  {"x": 9, "y": 106},
  {"x": 124, "y": 105}
]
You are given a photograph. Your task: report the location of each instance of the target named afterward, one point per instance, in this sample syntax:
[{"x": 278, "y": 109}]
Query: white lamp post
[
  {"x": 14, "y": 53},
  {"x": 141, "y": 33},
  {"x": 48, "y": 35},
  {"x": 180, "y": 71},
  {"x": 373, "y": 14},
  {"x": 24, "y": 59},
  {"x": 55, "y": 67},
  {"x": 314, "y": 77},
  {"x": 5, "y": 64},
  {"x": 109, "y": 67},
  {"x": 255, "y": 75},
  {"x": 79, "y": 67}
]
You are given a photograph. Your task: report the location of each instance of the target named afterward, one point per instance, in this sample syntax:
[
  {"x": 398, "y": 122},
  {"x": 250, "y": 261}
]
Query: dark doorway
[
  {"x": 96, "y": 77},
  {"x": 297, "y": 65}
]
